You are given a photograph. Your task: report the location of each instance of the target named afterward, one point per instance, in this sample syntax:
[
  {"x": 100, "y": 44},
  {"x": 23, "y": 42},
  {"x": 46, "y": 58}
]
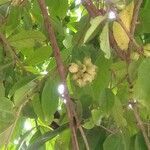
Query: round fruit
[{"x": 73, "y": 68}]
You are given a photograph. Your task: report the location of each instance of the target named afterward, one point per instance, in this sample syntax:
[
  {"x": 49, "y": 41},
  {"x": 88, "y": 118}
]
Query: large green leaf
[
  {"x": 39, "y": 55},
  {"x": 2, "y": 90},
  {"x": 107, "y": 101},
  {"x": 50, "y": 98},
  {"x": 104, "y": 41},
  {"x": 6, "y": 113},
  {"x": 3, "y": 1},
  {"x": 5, "y": 135},
  {"x": 103, "y": 76},
  {"x": 26, "y": 39},
  {"x": 20, "y": 84},
  {"x": 58, "y": 7},
  {"x": 115, "y": 142},
  {"x": 37, "y": 106},
  {"x": 117, "y": 113},
  {"x": 139, "y": 142},
  {"x": 22, "y": 93},
  {"x": 95, "y": 22},
  {"x": 143, "y": 27},
  {"x": 13, "y": 20},
  {"x": 142, "y": 88}
]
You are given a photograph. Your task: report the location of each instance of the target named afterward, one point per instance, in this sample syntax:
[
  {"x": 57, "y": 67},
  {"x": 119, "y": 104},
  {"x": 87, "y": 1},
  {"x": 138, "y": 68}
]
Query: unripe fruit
[
  {"x": 91, "y": 69},
  {"x": 83, "y": 73},
  {"x": 87, "y": 77},
  {"x": 83, "y": 68},
  {"x": 81, "y": 83},
  {"x": 73, "y": 68},
  {"x": 75, "y": 77},
  {"x": 87, "y": 61}
]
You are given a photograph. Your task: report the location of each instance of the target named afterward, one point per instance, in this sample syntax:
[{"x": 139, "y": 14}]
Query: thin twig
[
  {"x": 91, "y": 8},
  {"x": 141, "y": 126},
  {"x": 84, "y": 138},
  {"x": 108, "y": 130},
  {"x": 134, "y": 22},
  {"x": 135, "y": 16},
  {"x": 78, "y": 123},
  {"x": 61, "y": 70}
]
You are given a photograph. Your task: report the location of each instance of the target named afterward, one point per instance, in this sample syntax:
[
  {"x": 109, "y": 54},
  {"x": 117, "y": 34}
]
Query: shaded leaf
[
  {"x": 117, "y": 113},
  {"x": 142, "y": 87},
  {"x": 37, "y": 106},
  {"x": 50, "y": 98},
  {"x": 114, "y": 142},
  {"x": 107, "y": 101},
  {"x": 139, "y": 142}
]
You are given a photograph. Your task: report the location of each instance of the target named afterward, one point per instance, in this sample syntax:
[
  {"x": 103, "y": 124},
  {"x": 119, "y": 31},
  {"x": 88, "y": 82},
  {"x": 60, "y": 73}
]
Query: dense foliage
[{"x": 105, "y": 48}]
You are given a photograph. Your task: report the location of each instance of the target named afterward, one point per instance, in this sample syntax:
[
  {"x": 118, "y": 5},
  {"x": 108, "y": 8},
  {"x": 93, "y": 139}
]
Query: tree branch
[
  {"x": 135, "y": 16},
  {"x": 61, "y": 70},
  {"x": 134, "y": 22},
  {"x": 141, "y": 126},
  {"x": 116, "y": 48},
  {"x": 91, "y": 8}
]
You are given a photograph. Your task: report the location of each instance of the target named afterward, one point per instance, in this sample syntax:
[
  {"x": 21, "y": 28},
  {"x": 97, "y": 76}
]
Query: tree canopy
[{"x": 75, "y": 74}]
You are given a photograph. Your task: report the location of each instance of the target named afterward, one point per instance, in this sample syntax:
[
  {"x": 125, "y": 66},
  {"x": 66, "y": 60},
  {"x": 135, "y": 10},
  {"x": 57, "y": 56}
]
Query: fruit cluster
[{"x": 83, "y": 73}]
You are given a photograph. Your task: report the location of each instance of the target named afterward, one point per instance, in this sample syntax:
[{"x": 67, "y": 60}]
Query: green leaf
[
  {"x": 37, "y": 107},
  {"x": 95, "y": 22},
  {"x": 104, "y": 41},
  {"x": 39, "y": 55},
  {"x": 46, "y": 137},
  {"x": 143, "y": 27},
  {"x": 26, "y": 39},
  {"x": 6, "y": 113},
  {"x": 107, "y": 101},
  {"x": 79, "y": 53},
  {"x": 119, "y": 69},
  {"x": 58, "y": 7},
  {"x": 139, "y": 142},
  {"x": 89, "y": 124},
  {"x": 114, "y": 142},
  {"x": 2, "y": 90},
  {"x": 97, "y": 116},
  {"x": 117, "y": 113},
  {"x": 4, "y": 135},
  {"x": 3, "y": 1},
  {"x": 13, "y": 19},
  {"x": 142, "y": 87},
  {"x": 103, "y": 76},
  {"x": 50, "y": 98},
  {"x": 21, "y": 94},
  {"x": 63, "y": 140},
  {"x": 20, "y": 84}
]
